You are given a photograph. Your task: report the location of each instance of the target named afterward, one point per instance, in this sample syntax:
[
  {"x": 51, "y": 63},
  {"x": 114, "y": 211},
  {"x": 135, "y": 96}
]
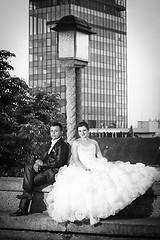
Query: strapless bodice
[{"x": 86, "y": 153}]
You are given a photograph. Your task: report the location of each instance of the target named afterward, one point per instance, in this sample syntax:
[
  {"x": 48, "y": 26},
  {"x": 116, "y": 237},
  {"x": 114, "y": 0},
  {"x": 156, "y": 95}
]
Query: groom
[{"x": 43, "y": 171}]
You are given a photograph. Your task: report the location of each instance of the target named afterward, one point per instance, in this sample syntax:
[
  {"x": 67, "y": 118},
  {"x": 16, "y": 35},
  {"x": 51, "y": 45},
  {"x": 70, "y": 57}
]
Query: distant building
[
  {"x": 147, "y": 129},
  {"x": 104, "y": 80}
]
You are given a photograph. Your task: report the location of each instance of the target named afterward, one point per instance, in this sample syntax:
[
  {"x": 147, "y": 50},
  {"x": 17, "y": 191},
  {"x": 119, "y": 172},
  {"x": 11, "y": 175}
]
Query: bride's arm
[
  {"x": 98, "y": 150},
  {"x": 75, "y": 156}
]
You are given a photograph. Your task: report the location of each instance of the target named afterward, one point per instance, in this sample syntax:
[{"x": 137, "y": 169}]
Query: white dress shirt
[{"x": 53, "y": 142}]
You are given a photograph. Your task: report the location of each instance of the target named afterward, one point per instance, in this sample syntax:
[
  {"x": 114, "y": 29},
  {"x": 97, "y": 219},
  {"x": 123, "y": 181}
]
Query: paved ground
[{"x": 111, "y": 228}]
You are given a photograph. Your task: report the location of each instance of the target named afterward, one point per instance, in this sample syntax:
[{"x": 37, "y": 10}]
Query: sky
[{"x": 143, "y": 54}]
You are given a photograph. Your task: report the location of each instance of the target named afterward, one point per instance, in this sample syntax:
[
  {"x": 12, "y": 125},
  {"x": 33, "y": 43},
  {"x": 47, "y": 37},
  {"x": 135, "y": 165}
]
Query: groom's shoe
[
  {"x": 25, "y": 195},
  {"x": 19, "y": 212}
]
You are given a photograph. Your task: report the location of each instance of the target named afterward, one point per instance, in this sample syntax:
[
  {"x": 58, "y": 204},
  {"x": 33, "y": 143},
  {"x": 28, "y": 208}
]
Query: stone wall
[{"x": 134, "y": 150}]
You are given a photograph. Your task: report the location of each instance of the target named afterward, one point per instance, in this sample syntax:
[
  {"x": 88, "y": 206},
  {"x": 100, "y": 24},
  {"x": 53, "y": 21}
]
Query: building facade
[
  {"x": 149, "y": 128},
  {"x": 104, "y": 80}
]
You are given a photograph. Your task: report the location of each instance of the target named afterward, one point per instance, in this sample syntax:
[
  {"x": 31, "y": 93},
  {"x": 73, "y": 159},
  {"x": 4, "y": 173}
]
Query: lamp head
[{"x": 73, "y": 38}]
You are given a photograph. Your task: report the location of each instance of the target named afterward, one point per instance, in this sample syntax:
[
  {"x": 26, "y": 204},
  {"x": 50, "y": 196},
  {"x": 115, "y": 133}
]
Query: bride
[{"x": 93, "y": 188}]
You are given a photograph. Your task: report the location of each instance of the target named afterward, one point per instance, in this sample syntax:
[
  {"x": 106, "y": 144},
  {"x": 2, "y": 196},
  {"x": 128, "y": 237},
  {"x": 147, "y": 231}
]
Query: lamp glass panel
[
  {"x": 82, "y": 45},
  {"x": 66, "y": 44}
]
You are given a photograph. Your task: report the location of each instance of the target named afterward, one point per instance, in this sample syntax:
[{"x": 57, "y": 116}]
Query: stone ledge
[
  {"x": 15, "y": 184},
  {"x": 113, "y": 226},
  {"x": 147, "y": 205},
  {"x": 12, "y": 186}
]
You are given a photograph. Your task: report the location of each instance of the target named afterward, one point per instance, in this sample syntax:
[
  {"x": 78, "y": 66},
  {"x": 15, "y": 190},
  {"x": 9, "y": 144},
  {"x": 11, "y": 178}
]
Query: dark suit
[{"x": 58, "y": 157}]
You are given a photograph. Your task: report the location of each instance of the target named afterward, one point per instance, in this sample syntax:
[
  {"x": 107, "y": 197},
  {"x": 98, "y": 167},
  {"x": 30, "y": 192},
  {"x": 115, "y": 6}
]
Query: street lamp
[
  {"x": 73, "y": 52},
  {"x": 73, "y": 39}
]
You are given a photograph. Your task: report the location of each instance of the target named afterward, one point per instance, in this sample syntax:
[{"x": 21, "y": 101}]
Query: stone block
[{"x": 147, "y": 205}]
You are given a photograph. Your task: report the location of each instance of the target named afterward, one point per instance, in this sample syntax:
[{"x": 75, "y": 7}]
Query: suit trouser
[{"x": 33, "y": 179}]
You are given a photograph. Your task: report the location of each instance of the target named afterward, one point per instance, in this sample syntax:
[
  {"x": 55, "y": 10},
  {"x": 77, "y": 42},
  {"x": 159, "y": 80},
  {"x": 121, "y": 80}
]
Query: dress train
[{"x": 107, "y": 189}]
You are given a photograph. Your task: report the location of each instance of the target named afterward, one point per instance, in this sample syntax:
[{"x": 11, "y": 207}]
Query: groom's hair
[
  {"x": 57, "y": 124},
  {"x": 83, "y": 123}
]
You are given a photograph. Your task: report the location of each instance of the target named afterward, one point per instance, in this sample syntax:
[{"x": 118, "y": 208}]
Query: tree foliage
[
  {"x": 5, "y": 66},
  {"x": 25, "y": 116},
  {"x": 131, "y": 132}
]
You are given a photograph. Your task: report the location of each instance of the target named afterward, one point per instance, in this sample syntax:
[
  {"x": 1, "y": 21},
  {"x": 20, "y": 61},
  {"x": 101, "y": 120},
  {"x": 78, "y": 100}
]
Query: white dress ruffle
[{"x": 107, "y": 189}]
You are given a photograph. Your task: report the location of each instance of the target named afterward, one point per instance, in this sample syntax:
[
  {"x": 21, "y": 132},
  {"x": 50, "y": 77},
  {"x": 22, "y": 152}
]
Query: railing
[{"x": 110, "y": 134}]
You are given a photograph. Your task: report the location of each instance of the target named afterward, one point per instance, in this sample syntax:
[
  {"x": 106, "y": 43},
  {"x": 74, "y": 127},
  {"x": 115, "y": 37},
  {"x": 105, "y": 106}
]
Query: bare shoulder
[
  {"x": 94, "y": 141},
  {"x": 75, "y": 143}
]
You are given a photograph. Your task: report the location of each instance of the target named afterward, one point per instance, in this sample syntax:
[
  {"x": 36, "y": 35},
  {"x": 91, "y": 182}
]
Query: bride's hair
[{"x": 83, "y": 123}]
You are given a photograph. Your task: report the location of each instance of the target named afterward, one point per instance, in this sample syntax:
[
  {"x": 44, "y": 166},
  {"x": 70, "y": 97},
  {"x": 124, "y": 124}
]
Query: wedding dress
[{"x": 107, "y": 189}]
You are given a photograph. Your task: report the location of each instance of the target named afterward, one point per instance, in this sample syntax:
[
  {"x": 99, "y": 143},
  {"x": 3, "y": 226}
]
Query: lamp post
[{"x": 73, "y": 53}]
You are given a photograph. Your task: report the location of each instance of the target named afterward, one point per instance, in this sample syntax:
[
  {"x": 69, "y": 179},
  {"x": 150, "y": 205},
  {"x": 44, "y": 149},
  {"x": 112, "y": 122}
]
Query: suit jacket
[{"x": 58, "y": 156}]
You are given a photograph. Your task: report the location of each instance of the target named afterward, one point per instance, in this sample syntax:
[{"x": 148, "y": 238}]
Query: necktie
[{"x": 52, "y": 144}]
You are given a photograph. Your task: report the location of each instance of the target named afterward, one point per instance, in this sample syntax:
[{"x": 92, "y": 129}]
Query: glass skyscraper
[{"x": 104, "y": 80}]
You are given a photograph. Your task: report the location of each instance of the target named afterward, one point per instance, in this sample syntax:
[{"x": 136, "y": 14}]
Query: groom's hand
[{"x": 36, "y": 167}]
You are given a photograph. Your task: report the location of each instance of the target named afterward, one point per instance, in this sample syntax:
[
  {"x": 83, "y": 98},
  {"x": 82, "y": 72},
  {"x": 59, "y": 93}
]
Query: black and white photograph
[{"x": 79, "y": 119}]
